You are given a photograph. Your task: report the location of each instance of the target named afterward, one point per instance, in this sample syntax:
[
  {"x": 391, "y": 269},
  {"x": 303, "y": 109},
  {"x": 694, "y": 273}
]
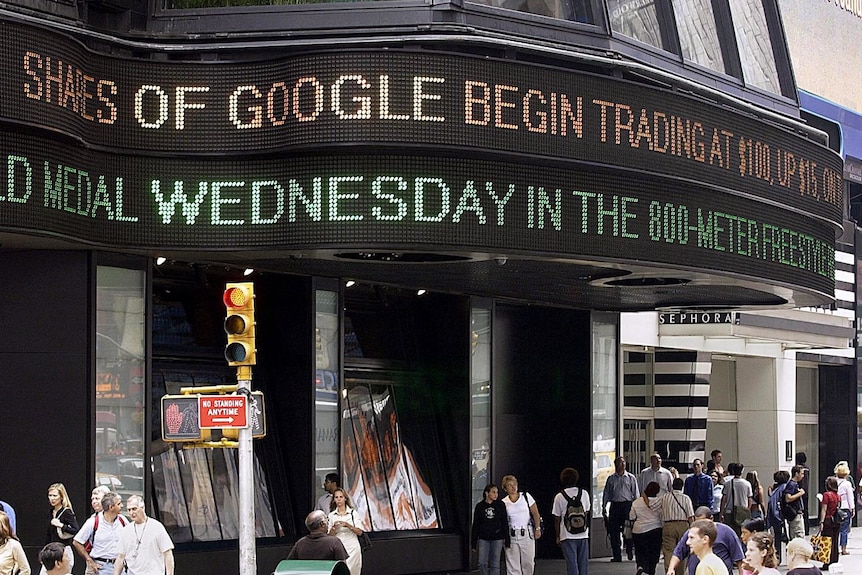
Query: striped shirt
[{"x": 676, "y": 506}]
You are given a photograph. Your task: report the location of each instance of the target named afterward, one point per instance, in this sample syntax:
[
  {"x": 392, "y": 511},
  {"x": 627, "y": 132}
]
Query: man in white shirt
[
  {"x": 330, "y": 484},
  {"x": 575, "y": 546},
  {"x": 145, "y": 546},
  {"x": 655, "y": 472},
  {"x": 101, "y": 533}
]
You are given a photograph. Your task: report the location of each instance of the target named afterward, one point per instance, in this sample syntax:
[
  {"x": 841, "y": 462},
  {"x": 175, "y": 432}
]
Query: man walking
[
  {"x": 98, "y": 539},
  {"x": 793, "y": 498},
  {"x": 726, "y": 546},
  {"x": 655, "y": 472},
  {"x": 737, "y": 499},
  {"x": 621, "y": 489},
  {"x": 699, "y": 486},
  {"x": 571, "y": 513},
  {"x": 676, "y": 514},
  {"x": 318, "y": 544},
  {"x": 145, "y": 546},
  {"x": 700, "y": 538}
]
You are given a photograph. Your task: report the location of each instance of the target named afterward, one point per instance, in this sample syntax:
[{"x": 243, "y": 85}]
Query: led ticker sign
[
  {"x": 338, "y": 202},
  {"x": 463, "y": 105}
]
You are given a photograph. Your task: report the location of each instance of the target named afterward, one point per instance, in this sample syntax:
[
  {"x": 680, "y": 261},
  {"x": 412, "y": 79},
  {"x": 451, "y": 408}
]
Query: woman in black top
[
  {"x": 490, "y": 530},
  {"x": 63, "y": 524}
]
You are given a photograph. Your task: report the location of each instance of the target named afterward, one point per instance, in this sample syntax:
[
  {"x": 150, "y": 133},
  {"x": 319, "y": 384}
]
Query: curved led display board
[{"x": 405, "y": 150}]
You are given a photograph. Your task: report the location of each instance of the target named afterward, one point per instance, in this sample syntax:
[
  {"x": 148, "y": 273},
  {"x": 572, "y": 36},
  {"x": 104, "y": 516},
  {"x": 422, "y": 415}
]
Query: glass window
[
  {"x": 576, "y": 10},
  {"x": 120, "y": 377},
  {"x": 197, "y": 490},
  {"x": 698, "y": 36},
  {"x": 604, "y": 385},
  {"x": 636, "y": 19},
  {"x": 326, "y": 386},
  {"x": 754, "y": 44},
  {"x": 480, "y": 399},
  {"x": 382, "y": 475},
  {"x": 807, "y": 443}
]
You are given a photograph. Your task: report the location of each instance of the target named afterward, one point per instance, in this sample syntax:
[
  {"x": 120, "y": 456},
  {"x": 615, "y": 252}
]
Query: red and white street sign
[{"x": 223, "y": 411}]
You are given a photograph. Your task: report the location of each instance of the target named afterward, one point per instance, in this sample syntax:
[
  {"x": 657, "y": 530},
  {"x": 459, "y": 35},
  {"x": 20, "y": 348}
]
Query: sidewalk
[{"x": 852, "y": 563}]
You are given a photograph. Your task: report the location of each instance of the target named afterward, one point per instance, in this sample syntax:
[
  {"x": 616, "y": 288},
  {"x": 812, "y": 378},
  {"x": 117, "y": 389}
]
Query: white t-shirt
[
  {"x": 106, "y": 538},
  {"x": 559, "y": 510},
  {"x": 144, "y": 546},
  {"x": 519, "y": 511}
]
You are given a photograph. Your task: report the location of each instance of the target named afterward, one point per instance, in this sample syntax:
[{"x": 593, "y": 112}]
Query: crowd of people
[
  {"x": 108, "y": 542},
  {"x": 713, "y": 521}
]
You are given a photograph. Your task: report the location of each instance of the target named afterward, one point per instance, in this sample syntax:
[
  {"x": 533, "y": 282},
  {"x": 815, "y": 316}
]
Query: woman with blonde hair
[
  {"x": 524, "y": 528},
  {"x": 63, "y": 524},
  {"x": 12, "y": 557},
  {"x": 845, "y": 492},
  {"x": 344, "y": 525}
]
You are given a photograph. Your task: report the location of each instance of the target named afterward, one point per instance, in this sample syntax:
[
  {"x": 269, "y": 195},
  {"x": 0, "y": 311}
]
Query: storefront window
[
  {"x": 120, "y": 321},
  {"x": 480, "y": 398},
  {"x": 604, "y": 385},
  {"x": 326, "y": 386}
]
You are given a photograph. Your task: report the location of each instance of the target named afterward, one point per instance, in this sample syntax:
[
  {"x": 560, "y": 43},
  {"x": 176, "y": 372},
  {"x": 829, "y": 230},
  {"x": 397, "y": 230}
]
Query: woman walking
[
  {"x": 490, "y": 530},
  {"x": 647, "y": 528},
  {"x": 63, "y": 524},
  {"x": 758, "y": 508},
  {"x": 524, "y": 528},
  {"x": 343, "y": 524},
  {"x": 12, "y": 558},
  {"x": 828, "y": 527}
]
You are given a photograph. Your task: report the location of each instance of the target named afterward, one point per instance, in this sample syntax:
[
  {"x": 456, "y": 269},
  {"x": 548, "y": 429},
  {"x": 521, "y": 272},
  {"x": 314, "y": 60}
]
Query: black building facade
[{"x": 443, "y": 206}]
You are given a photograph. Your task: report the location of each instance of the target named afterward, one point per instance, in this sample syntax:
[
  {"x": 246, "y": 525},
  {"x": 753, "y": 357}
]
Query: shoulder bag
[{"x": 364, "y": 540}]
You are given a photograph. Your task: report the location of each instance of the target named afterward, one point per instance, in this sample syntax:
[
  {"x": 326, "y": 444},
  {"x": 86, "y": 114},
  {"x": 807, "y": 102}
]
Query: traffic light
[{"x": 239, "y": 324}]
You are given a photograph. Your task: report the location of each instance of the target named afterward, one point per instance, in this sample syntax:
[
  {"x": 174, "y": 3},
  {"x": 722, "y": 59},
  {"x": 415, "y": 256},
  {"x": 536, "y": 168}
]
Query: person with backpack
[
  {"x": 774, "y": 505},
  {"x": 490, "y": 530},
  {"x": 571, "y": 513},
  {"x": 98, "y": 540},
  {"x": 848, "y": 503}
]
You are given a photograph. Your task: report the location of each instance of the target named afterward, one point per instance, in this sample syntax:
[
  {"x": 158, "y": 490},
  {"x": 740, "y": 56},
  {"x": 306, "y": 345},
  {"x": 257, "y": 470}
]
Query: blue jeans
[
  {"x": 577, "y": 554},
  {"x": 489, "y": 556},
  {"x": 845, "y": 530}
]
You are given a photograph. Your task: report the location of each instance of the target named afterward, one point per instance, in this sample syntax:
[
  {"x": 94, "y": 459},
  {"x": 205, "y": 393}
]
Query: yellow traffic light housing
[{"x": 239, "y": 324}]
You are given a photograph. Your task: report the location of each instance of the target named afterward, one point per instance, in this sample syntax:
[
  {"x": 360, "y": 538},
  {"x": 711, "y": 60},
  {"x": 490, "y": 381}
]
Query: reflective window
[
  {"x": 698, "y": 36},
  {"x": 575, "y": 10},
  {"x": 754, "y": 45},
  {"x": 480, "y": 399},
  {"x": 326, "y": 386},
  {"x": 605, "y": 423},
  {"x": 197, "y": 490},
  {"x": 120, "y": 377},
  {"x": 636, "y": 19}
]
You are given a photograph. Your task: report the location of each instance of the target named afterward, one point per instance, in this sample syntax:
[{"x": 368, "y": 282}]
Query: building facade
[{"x": 445, "y": 208}]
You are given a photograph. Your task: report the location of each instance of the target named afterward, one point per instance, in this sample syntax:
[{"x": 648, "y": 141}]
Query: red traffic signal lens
[
  {"x": 236, "y": 297},
  {"x": 236, "y": 352},
  {"x": 235, "y": 325}
]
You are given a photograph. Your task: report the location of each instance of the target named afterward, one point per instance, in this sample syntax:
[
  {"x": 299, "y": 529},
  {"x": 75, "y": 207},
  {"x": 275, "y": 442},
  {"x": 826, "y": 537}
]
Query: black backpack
[{"x": 574, "y": 518}]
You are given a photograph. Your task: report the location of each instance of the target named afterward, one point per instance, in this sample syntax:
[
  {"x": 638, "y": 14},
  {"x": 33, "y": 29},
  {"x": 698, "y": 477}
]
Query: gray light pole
[{"x": 247, "y": 540}]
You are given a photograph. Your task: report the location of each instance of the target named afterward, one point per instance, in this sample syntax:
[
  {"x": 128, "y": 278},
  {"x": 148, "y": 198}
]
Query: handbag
[
  {"x": 822, "y": 548},
  {"x": 365, "y": 542},
  {"x": 60, "y": 533}
]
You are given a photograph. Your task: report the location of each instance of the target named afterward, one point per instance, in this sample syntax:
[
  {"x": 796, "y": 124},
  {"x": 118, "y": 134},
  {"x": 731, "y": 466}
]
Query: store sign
[{"x": 697, "y": 318}]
